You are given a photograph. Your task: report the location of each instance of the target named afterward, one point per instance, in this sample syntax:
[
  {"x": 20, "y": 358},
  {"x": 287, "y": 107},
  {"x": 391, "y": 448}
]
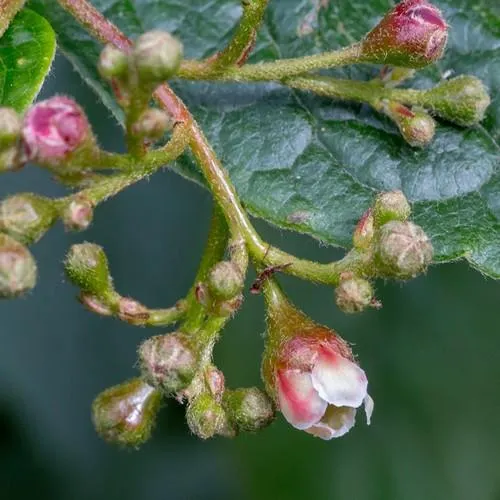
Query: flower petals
[{"x": 335, "y": 423}]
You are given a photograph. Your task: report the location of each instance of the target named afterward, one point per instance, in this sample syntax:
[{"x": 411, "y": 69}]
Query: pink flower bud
[
  {"x": 413, "y": 35},
  {"x": 53, "y": 129}
]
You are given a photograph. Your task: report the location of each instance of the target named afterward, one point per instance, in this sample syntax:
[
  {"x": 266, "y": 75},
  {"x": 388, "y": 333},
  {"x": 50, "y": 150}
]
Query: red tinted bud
[
  {"x": 391, "y": 205},
  {"x": 132, "y": 312},
  {"x": 17, "y": 268},
  {"x": 354, "y": 295},
  {"x": 95, "y": 305},
  {"x": 205, "y": 417},
  {"x": 125, "y": 414},
  {"x": 403, "y": 250},
  {"x": 53, "y": 129},
  {"x": 168, "y": 362},
  {"x": 413, "y": 35},
  {"x": 364, "y": 231},
  {"x": 78, "y": 214},
  {"x": 215, "y": 381}
]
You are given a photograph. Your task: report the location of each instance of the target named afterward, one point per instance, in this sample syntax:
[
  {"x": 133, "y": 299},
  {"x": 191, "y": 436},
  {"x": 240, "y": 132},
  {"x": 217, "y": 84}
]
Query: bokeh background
[{"x": 432, "y": 355}]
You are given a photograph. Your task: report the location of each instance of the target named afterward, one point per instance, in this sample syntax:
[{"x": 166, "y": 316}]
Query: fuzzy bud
[
  {"x": 215, "y": 381},
  {"x": 54, "y": 129},
  {"x": 27, "y": 217},
  {"x": 225, "y": 280},
  {"x": 153, "y": 124},
  {"x": 249, "y": 409},
  {"x": 416, "y": 125},
  {"x": 413, "y": 34},
  {"x": 17, "y": 268},
  {"x": 227, "y": 308},
  {"x": 403, "y": 250},
  {"x": 462, "y": 100},
  {"x": 113, "y": 63},
  {"x": 364, "y": 231},
  {"x": 125, "y": 414},
  {"x": 86, "y": 266},
  {"x": 78, "y": 213},
  {"x": 354, "y": 295},
  {"x": 205, "y": 417},
  {"x": 132, "y": 311},
  {"x": 168, "y": 361},
  {"x": 10, "y": 127},
  {"x": 391, "y": 205},
  {"x": 157, "y": 55}
]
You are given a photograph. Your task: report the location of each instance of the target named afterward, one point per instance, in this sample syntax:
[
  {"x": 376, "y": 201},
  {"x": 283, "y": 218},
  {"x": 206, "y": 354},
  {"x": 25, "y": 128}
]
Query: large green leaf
[
  {"x": 26, "y": 52},
  {"x": 314, "y": 165}
]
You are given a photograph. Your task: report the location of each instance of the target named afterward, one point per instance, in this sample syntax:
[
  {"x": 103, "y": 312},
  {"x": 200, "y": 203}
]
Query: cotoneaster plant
[{"x": 310, "y": 373}]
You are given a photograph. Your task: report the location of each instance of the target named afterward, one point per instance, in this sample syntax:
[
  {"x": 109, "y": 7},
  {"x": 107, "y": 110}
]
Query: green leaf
[
  {"x": 312, "y": 164},
  {"x": 27, "y": 49}
]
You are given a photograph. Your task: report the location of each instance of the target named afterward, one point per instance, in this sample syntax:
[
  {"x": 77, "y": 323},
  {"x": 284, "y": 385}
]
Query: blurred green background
[{"x": 432, "y": 355}]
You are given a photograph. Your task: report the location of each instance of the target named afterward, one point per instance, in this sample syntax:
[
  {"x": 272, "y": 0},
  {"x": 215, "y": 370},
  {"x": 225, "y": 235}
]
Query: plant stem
[
  {"x": 8, "y": 9},
  {"x": 164, "y": 317}
]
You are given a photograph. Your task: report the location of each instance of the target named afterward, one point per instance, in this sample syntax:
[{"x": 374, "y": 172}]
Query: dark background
[{"x": 431, "y": 354}]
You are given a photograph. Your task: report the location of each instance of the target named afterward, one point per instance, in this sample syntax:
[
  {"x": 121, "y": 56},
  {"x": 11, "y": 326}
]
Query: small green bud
[
  {"x": 157, "y": 55},
  {"x": 168, "y": 362},
  {"x": 364, "y": 231},
  {"x": 78, "y": 213},
  {"x": 113, "y": 63},
  {"x": 205, "y": 417},
  {"x": 391, "y": 205},
  {"x": 27, "y": 217},
  {"x": 153, "y": 124},
  {"x": 10, "y": 127},
  {"x": 225, "y": 280},
  {"x": 354, "y": 295},
  {"x": 125, "y": 414},
  {"x": 403, "y": 250},
  {"x": 249, "y": 409},
  {"x": 416, "y": 125},
  {"x": 17, "y": 268},
  {"x": 86, "y": 266},
  {"x": 462, "y": 100}
]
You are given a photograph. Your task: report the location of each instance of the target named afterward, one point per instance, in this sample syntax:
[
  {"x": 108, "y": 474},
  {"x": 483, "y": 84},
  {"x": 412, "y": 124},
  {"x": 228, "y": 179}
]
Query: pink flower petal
[
  {"x": 335, "y": 423},
  {"x": 299, "y": 401},
  {"x": 338, "y": 380}
]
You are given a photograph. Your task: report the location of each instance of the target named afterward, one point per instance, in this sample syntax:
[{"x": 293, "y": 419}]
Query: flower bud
[
  {"x": 353, "y": 295},
  {"x": 413, "y": 34},
  {"x": 54, "y": 129},
  {"x": 462, "y": 100},
  {"x": 132, "y": 311},
  {"x": 416, "y": 125},
  {"x": 78, "y": 213},
  {"x": 153, "y": 124},
  {"x": 310, "y": 371},
  {"x": 168, "y": 361},
  {"x": 364, "y": 231},
  {"x": 215, "y": 381},
  {"x": 113, "y": 63},
  {"x": 391, "y": 205},
  {"x": 248, "y": 410},
  {"x": 10, "y": 127},
  {"x": 403, "y": 250},
  {"x": 17, "y": 268},
  {"x": 205, "y": 417},
  {"x": 27, "y": 217},
  {"x": 86, "y": 266},
  {"x": 125, "y": 414},
  {"x": 225, "y": 280},
  {"x": 157, "y": 56}
]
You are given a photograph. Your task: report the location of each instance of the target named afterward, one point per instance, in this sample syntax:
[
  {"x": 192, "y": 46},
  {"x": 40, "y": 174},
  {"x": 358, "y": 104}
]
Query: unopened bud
[
  {"x": 157, "y": 56},
  {"x": 391, "y": 205},
  {"x": 353, "y": 295},
  {"x": 27, "y": 217},
  {"x": 364, "y": 231},
  {"x": 215, "y": 381},
  {"x": 86, "y": 266},
  {"x": 132, "y": 311},
  {"x": 153, "y": 124},
  {"x": 168, "y": 361},
  {"x": 17, "y": 268},
  {"x": 225, "y": 280},
  {"x": 10, "y": 127},
  {"x": 78, "y": 213},
  {"x": 125, "y": 414},
  {"x": 54, "y": 129},
  {"x": 413, "y": 34},
  {"x": 205, "y": 417},
  {"x": 113, "y": 63},
  {"x": 248, "y": 409},
  {"x": 462, "y": 100},
  {"x": 403, "y": 250}
]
